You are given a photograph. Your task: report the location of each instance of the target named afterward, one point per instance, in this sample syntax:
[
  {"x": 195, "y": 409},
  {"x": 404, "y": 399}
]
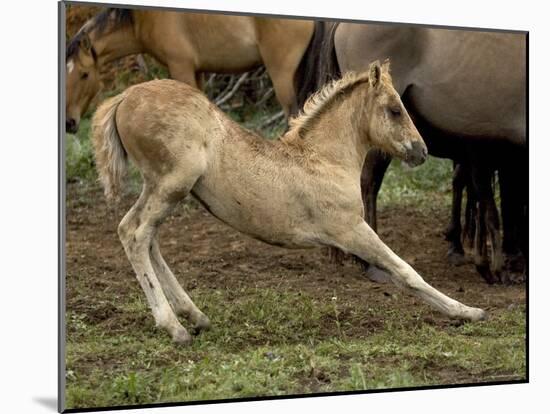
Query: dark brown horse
[
  {"x": 466, "y": 92},
  {"x": 188, "y": 44}
]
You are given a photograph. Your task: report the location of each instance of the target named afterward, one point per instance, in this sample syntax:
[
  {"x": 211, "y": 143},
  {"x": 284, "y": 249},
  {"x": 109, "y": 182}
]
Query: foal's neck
[
  {"x": 115, "y": 43},
  {"x": 337, "y": 135}
]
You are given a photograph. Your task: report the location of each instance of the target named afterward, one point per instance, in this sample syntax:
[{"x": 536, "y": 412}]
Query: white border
[{"x": 28, "y": 170}]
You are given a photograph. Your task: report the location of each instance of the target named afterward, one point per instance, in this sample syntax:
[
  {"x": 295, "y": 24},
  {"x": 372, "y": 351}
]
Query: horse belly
[
  {"x": 472, "y": 84},
  {"x": 226, "y": 44}
]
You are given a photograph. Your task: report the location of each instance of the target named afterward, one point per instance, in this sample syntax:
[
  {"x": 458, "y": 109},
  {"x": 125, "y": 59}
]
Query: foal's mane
[
  {"x": 108, "y": 18},
  {"x": 322, "y": 100}
]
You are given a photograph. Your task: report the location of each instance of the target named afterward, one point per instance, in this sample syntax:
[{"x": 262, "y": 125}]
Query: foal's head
[
  {"x": 388, "y": 125},
  {"x": 82, "y": 81}
]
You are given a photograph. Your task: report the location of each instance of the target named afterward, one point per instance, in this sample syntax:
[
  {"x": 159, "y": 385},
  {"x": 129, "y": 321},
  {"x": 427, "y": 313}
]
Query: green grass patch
[
  {"x": 268, "y": 342},
  {"x": 422, "y": 186}
]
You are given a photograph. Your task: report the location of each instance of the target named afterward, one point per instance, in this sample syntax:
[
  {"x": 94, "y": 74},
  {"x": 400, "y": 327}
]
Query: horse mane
[
  {"x": 108, "y": 18},
  {"x": 321, "y": 101}
]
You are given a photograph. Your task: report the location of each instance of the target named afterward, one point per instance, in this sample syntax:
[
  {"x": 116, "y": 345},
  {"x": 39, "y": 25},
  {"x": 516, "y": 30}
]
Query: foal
[{"x": 300, "y": 191}]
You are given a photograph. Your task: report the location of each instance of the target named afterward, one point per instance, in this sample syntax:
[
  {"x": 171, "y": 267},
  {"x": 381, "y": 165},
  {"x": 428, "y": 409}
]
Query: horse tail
[
  {"x": 305, "y": 77},
  {"x": 319, "y": 63},
  {"x": 331, "y": 69},
  {"x": 110, "y": 156}
]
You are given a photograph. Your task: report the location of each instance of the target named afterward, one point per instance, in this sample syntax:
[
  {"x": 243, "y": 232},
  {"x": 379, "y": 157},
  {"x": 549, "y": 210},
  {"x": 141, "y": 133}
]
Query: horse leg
[
  {"x": 512, "y": 212},
  {"x": 470, "y": 214},
  {"x": 184, "y": 72},
  {"x": 281, "y": 64},
  {"x": 372, "y": 175},
  {"x": 362, "y": 241},
  {"x": 487, "y": 223},
  {"x": 283, "y": 87},
  {"x": 453, "y": 233},
  {"x": 178, "y": 298},
  {"x": 493, "y": 229},
  {"x": 136, "y": 232}
]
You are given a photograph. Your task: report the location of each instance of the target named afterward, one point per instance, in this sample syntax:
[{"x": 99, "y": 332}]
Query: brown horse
[
  {"x": 465, "y": 90},
  {"x": 300, "y": 191},
  {"x": 188, "y": 44}
]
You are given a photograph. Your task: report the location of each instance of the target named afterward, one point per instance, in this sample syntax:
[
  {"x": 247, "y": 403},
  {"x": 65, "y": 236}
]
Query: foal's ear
[{"x": 374, "y": 73}]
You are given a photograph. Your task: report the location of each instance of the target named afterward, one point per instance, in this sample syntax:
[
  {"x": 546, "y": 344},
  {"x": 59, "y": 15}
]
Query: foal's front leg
[{"x": 362, "y": 241}]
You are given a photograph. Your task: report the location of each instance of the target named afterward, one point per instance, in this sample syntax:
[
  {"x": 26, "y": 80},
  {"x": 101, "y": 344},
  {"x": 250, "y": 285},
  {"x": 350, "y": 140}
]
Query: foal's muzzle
[{"x": 417, "y": 154}]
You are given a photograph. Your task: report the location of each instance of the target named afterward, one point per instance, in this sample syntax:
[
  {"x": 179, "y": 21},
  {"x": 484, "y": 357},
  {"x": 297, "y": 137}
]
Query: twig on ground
[
  {"x": 268, "y": 94},
  {"x": 224, "y": 98},
  {"x": 272, "y": 119}
]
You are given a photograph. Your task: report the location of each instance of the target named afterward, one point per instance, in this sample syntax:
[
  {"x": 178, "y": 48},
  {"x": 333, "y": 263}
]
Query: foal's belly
[{"x": 265, "y": 217}]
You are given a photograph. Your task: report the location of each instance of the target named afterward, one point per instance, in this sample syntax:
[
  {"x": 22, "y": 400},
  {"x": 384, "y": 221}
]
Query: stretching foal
[{"x": 300, "y": 191}]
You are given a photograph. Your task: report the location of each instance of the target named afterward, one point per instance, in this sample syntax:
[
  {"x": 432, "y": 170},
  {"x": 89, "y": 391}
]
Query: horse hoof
[
  {"x": 378, "y": 275},
  {"x": 514, "y": 262},
  {"x": 478, "y": 315},
  {"x": 182, "y": 337},
  {"x": 455, "y": 258},
  {"x": 512, "y": 278},
  {"x": 482, "y": 315},
  {"x": 486, "y": 274},
  {"x": 202, "y": 324}
]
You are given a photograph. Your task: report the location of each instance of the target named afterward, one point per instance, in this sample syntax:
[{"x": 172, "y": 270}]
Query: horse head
[
  {"x": 389, "y": 126},
  {"x": 82, "y": 79}
]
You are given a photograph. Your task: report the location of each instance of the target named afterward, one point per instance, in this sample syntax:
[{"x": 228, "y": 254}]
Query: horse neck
[
  {"x": 336, "y": 136},
  {"x": 115, "y": 43}
]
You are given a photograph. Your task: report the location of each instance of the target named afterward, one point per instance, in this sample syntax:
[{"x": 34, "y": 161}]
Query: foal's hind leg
[
  {"x": 178, "y": 298},
  {"x": 136, "y": 231},
  {"x": 362, "y": 241}
]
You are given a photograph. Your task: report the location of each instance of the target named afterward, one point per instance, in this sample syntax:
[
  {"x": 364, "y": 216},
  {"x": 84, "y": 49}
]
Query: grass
[
  {"x": 427, "y": 183},
  {"x": 270, "y": 342}
]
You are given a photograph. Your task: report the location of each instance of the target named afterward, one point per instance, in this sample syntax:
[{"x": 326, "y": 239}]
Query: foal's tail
[{"x": 110, "y": 156}]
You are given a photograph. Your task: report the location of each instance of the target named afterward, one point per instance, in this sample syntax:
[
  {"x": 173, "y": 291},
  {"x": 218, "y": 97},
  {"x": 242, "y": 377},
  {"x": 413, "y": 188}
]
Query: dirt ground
[{"x": 205, "y": 253}]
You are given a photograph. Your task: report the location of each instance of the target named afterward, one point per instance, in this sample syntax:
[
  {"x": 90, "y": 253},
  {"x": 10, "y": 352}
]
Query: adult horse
[
  {"x": 465, "y": 91},
  {"x": 188, "y": 44},
  {"x": 300, "y": 191}
]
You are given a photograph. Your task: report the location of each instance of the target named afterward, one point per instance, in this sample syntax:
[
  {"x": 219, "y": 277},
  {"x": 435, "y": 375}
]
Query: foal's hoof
[
  {"x": 182, "y": 337},
  {"x": 477, "y": 314},
  {"x": 202, "y": 324}
]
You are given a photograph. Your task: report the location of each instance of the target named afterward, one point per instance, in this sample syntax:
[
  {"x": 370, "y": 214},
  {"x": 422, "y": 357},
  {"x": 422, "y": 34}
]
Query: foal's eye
[
  {"x": 395, "y": 111},
  {"x": 84, "y": 75}
]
